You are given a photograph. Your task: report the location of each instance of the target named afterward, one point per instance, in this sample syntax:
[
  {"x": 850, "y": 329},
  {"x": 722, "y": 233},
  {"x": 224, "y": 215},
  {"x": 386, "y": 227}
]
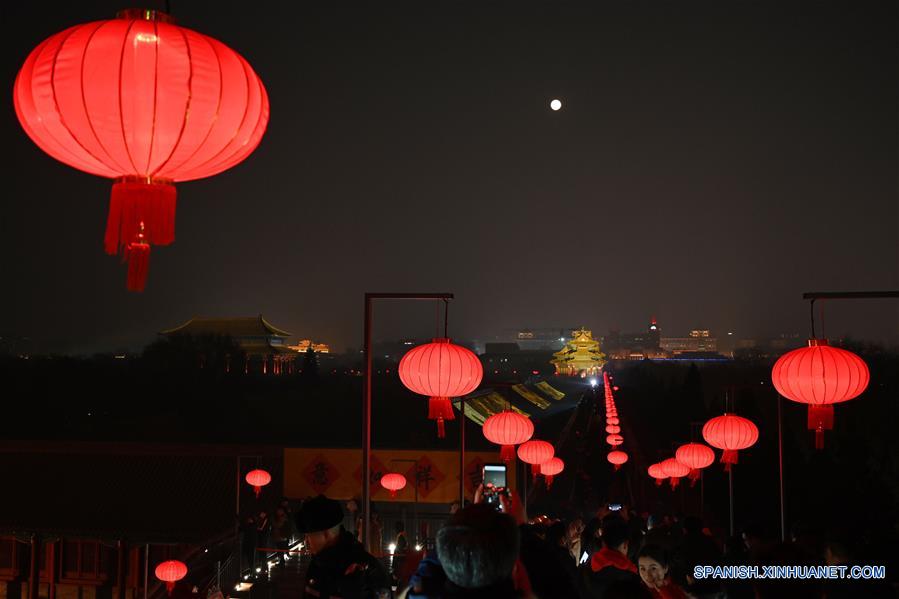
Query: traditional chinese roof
[
  {"x": 253, "y": 326},
  {"x": 581, "y": 354}
]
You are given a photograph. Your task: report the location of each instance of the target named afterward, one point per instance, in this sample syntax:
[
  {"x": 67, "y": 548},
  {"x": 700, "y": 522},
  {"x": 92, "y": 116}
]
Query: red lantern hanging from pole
[
  {"x": 508, "y": 429},
  {"x": 695, "y": 456},
  {"x": 674, "y": 470},
  {"x": 820, "y": 375},
  {"x": 145, "y": 103},
  {"x": 535, "y": 452},
  {"x": 170, "y": 572},
  {"x": 613, "y": 429},
  {"x": 257, "y": 479},
  {"x": 617, "y": 458},
  {"x": 440, "y": 370},
  {"x": 393, "y": 482},
  {"x": 613, "y": 420},
  {"x": 656, "y": 472},
  {"x": 730, "y": 433},
  {"x": 550, "y": 469}
]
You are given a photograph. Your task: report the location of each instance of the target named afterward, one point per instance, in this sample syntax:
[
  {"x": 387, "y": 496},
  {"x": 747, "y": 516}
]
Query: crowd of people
[{"x": 483, "y": 551}]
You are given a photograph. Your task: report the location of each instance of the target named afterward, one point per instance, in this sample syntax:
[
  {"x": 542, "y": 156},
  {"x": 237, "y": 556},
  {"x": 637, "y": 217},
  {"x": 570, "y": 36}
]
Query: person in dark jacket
[
  {"x": 340, "y": 567},
  {"x": 610, "y": 564}
]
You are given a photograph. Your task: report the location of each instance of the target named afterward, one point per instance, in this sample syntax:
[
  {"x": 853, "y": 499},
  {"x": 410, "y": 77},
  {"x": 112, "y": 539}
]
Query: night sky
[{"x": 711, "y": 162}]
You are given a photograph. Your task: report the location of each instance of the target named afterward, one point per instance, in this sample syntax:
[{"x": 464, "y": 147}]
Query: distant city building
[
  {"x": 635, "y": 346},
  {"x": 582, "y": 355},
  {"x": 699, "y": 341}
]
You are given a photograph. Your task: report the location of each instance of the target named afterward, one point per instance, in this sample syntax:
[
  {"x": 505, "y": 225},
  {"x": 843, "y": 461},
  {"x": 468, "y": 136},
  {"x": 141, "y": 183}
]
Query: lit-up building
[
  {"x": 264, "y": 344},
  {"x": 700, "y": 340},
  {"x": 635, "y": 346},
  {"x": 304, "y": 345},
  {"x": 582, "y": 355}
]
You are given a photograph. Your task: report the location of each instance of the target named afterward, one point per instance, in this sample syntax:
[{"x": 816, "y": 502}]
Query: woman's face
[{"x": 652, "y": 572}]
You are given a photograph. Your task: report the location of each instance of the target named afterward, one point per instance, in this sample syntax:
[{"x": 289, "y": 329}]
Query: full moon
[{"x": 555, "y": 104}]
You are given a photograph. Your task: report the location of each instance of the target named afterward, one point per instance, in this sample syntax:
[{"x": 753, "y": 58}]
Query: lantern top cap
[
  {"x": 441, "y": 340},
  {"x": 145, "y": 14},
  {"x": 818, "y": 342}
]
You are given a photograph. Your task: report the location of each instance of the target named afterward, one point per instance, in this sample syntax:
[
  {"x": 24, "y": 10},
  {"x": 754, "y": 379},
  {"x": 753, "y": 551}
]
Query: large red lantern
[
  {"x": 171, "y": 572},
  {"x": 257, "y": 479},
  {"x": 145, "y": 103},
  {"x": 656, "y": 472},
  {"x": 617, "y": 458},
  {"x": 695, "y": 456},
  {"x": 440, "y": 370},
  {"x": 614, "y": 440},
  {"x": 674, "y": 470},
  {"x": 508, "y": 429},
  {"x": 393, "y": 482},
  {"x": 613, "y": 429},
  {"x": 820, "y": 375},
  {"x": 535, "y": 452},
  {"x": 550, "y": 469},
  {"x": 730, "y": 433}
]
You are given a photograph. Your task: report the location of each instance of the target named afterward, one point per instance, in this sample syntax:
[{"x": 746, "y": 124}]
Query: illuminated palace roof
[
  {"x": 581, "y": 356},
  {"x": 253, "y": 326}
]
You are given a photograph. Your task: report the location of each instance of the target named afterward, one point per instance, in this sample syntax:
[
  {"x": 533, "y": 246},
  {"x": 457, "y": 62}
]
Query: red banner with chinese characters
[{"x": 337, "y": 473}]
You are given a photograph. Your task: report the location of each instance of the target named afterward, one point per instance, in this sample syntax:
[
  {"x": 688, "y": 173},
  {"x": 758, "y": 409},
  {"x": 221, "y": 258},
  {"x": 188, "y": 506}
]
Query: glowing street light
[{"x": 556, "y": 105}]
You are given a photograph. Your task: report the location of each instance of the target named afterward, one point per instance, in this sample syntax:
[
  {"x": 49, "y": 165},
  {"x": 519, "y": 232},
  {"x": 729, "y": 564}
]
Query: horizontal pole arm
[
  {"x": 815, "y": 295},
  {"x": 409, "y": 296}
]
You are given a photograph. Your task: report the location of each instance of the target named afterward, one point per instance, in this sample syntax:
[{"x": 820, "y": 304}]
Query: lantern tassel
[
  {"x": 673, "y": 481},
  {"x": 258, "y": 491},
  {"x": 535, "y": 470},
  {"x": 136, "y": 203},
  {"x": 170, "y": 586},
  {"x": 658, "y": 482},
  {"x": 507, "y": 453},
  {"x": 693, "y": 476},
  {"x": 616, "y": 467},
  {"x": 820, "y": 419},
  {"x": 549, "y": 481},
  {"x": 728, "y": 457},
  {"x": 138, "y": 257},
  {"x": 440, "y": 409}
]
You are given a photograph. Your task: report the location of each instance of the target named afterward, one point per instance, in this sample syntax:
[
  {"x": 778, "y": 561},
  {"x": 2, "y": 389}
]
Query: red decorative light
[
  {"x": 393, "y": 482},
  {"x": 614, "y": 440},
  {"x": 695, "y": 456},
  {"x": 613, "y": 429},
  {"x": 258, "y": 479},
  {"x": 146, "y": 103},
  {"x": 657, "y": 473},
  {"x": 535, "y": 452},
  {"x": 613, "y": 420},
  {"x": 551, "y": 469},
  {"x": 440, "y": 370},
  {"x": 674, "y": 470},
  {"x": 617, "y": 458},
  {"x": 171, "y": 572},
  {"x": 820, "y": 375},
  {"x": 730, "y": 433},
  {"x": 508, "y": 429}
]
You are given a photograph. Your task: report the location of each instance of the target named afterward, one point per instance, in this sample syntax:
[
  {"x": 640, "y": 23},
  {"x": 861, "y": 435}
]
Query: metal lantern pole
[
  {"x": 366, "y": 398},
  {"x": 730, "y": 486},
  {"x": 780, "y": 458}
]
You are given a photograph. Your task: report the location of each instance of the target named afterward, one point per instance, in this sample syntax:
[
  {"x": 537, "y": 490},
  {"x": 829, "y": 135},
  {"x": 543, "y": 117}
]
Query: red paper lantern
[
  {"x": 613, "y": 420},
  {"x": 535, "y": 452},
  {"x": 146, "y": 103},
  {"x": 695, "y": 456},
  {"x": 508, "y": 429},
  {"x": 440, "y": 370},
  {"x": 171, "y": 572},
  {"x": 614, "y": 440},
  {"x": 393, "y": 482},
  {"x": 674, "y": 470},
  {"x": 617, "y": 458},
  {"x": 613, "y": 429},
  {"x": 730, "y": 433},
  {"x": 258, "y": 479},
  {"x": 820, "y": 375},
  {"x": 551, "y": 469},
  {"x": 657, "y": 473}
]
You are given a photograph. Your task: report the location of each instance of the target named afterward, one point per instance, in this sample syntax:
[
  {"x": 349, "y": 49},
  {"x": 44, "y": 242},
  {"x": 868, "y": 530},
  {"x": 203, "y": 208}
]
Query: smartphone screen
[
  {"x": 614, "y": 507},
  {"x": 495, "y": 474}
]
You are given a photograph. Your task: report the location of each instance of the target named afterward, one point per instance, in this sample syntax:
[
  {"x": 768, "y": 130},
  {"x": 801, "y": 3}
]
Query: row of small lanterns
[
  {"x": 818, "y": 375},
  {"x": 614, "y": 438}
]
